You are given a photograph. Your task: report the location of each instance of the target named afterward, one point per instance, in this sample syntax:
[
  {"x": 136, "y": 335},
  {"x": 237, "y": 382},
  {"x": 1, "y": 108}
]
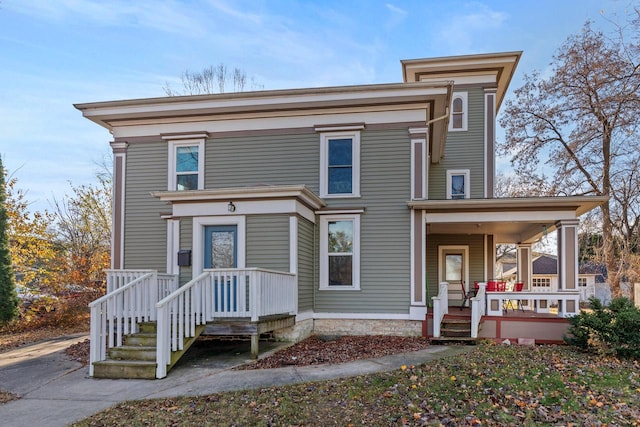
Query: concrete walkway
[{"x": 56, "y": 391}]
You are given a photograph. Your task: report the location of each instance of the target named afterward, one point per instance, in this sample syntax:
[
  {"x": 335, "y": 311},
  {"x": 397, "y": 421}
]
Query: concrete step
[
  {"x": 467, "y": 340},
  {"x": 127, "y": 352},
  {"x": 131, "y": 369},
  {"x": 141, "y": 340},
  {"x": 147, "y": 327}
]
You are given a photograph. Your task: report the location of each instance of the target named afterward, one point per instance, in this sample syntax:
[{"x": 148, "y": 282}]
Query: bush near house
[{"x": 609, "y": 330}]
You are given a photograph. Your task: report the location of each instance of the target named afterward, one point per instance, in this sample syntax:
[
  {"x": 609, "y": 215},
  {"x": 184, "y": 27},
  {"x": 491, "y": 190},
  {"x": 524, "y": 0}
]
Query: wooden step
[
  {"x": 147, "y": 327},
  {"x": 467, "y": 340},
  {"x": 141, "y": 340},
  {"x": 130, "y": 369},
  {"x": 127, "y": 352}
]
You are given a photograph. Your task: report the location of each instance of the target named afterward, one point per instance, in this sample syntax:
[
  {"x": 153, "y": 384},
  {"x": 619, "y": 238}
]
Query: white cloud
[{"x": 462, "y": 31}]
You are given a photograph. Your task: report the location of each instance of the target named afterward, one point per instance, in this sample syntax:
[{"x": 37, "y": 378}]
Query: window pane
[
  {"x": 340, "y": 152},
  {"x": 457, "y": 121},
  {"x": 340, "y": 237},
  {"x": 340, "y": 180},
  {"x": 453, "y": 268},
  {"x": 222, "y": 250},
  {"x": 457, "y": 186},
  {"x": 187, "y": 182},
  {"x": 457, "y": 105},
  {"x": 340, "y": 270},
  {"x": 187, "y": 159}
]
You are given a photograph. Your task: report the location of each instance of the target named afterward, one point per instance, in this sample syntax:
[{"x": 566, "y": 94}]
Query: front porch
[
  {"x": 499, "y": 316},
  {"x": 146, "y": 322}
]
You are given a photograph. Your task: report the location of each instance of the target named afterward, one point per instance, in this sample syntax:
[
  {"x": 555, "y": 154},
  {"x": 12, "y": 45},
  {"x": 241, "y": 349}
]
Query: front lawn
[{"x": 492, "y": 385}]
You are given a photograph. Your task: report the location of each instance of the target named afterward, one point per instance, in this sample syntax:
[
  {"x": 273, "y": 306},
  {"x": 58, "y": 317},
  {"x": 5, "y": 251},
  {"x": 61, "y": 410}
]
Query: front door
[
  {"x": 453, "y": 268},
  {"x": 220, "y": 246}
]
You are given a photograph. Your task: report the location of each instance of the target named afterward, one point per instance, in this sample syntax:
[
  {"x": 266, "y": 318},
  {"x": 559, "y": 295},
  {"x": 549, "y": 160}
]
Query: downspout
[{"x": 437, "y": 119}]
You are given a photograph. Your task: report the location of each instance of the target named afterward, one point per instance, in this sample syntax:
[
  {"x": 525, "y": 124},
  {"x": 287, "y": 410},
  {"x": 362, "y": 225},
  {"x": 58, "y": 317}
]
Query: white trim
[
  {"x": 324, "y": 163},
  {"x": 122, "y": 181},
  {"x": 198, "y": 239},
  {"x": 465, "y": 111},
  {"x": 190, "y": 136},
  {"x": 465, "y": 254},
  {"x": 363, "y": 316},
  {"x": 324, "y": 252},
  {"x": 339, "y": 211},
  {"x": 480, "y": 217},
  {"x": 173, "y": 145},
  {"x": 293, "y": 245},
  {"x": 330, "y": 128},
  {"x": 489, "y": 93},
  {"x": 417, "y": 312},
  {"x": 423, "y": 243},
  {"x": 467, "y": 181},
  {"x": 173, "y": 245},
  {"x": 243, "y": 207}
]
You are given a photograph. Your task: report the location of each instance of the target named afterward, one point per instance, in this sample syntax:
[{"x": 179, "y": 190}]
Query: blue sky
[{"x": 58, "y": 52}]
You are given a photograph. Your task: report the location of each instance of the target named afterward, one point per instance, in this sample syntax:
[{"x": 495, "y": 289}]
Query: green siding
[
  {"x": 306, "y": 264},
  {"x": 268, "y": 242},
  {"x": 385, "y": 278},
  {"x": 145, "y": 243},
  {"x": 463, "y": 150},
  {"x": 259, "y": 160},
  {"x": 476, "y": 257}
]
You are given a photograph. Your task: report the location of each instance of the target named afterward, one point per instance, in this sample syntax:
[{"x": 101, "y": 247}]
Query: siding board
[{"x": 268, "y": 242}]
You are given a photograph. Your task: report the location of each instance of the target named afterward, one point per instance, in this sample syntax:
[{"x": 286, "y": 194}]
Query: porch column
[
  {"x": 567, "y": 260},
  {"x": 117, "y": 205},
  {"x": 525, "y": 264},
  {"x": 418, "y": 308},
  {"x": 490, "y": 257}
]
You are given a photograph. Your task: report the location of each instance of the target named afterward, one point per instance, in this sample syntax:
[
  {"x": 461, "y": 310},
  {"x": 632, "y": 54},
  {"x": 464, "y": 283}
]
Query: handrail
[
  {"x": 440, "y": 307},
  {"x": 496, "y": 309},
  {"x": 219, "y": 293},
  {"x": 478, "y": 309}
]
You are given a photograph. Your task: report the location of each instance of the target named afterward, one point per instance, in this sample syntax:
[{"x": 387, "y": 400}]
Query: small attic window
[{"x": 458, "y": 120}]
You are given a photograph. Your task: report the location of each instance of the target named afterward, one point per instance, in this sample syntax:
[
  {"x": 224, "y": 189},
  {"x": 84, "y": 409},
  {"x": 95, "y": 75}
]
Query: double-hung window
[
  {"x": 186, "y": 165},
  {"x": 340, "y": 252},
  {"x": 340, "y": 164},
  {"x": 458, "y": 184}
]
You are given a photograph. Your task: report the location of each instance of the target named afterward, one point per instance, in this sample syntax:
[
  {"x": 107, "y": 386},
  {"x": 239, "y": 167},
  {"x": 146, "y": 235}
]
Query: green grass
[{"x": 491, "y": 385}]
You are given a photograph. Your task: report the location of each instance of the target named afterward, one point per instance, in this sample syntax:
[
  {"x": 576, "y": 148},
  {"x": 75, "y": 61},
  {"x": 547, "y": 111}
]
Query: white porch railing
[
  {"x": 440, "y": 307},
  {"x": 478, "y": 309},
  {"x": 495, "y": 301},
  {"x": 117, "y": 313},
  {"x": 220, "y": 293}
]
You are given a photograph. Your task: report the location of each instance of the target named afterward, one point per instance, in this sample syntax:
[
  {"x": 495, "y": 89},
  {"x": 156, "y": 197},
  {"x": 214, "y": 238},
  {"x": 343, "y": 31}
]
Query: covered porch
[{"x": 459, "y": 239}]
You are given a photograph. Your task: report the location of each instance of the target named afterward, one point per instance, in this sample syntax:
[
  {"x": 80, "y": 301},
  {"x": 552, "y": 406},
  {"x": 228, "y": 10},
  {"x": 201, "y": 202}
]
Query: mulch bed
[{"x": 319, "y": 350}]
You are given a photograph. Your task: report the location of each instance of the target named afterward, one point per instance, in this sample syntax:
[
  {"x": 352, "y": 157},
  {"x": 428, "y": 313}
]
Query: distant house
[
  {"x": 336, "y": 210},
  {"x": 545, "y": 276}
]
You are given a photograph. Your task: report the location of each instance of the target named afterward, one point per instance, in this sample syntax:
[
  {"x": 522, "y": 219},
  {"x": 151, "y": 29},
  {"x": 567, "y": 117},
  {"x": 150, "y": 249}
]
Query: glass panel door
[{"x": 220, "y": 246}]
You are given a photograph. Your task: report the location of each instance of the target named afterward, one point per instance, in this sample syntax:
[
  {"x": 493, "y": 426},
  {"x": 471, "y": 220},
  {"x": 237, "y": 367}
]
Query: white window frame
[
  {"x": 463, "y": 96},
  {"x": 199, "y": 224},
  {"x": 324, "y": 251},
  {"x": 173, "y": 146},
  {"x": 536, "y": 282},
  {"x": 583, "y": 282},
  {"x": 324, "y": 163},
  {"x": 467, "y": 181}
]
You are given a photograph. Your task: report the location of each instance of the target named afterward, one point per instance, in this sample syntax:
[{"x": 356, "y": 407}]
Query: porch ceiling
[{"x": 510, "y": 220}]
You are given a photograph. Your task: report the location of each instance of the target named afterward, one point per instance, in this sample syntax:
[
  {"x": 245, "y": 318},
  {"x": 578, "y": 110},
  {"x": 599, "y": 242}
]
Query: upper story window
[
  {"x": 340, "y": 164},
  {"x": 186, "y": 165},
  {"x": 340, "y": 252},
  {"x": 458, "y": 184},
  {"x": 458, "y": 119}
]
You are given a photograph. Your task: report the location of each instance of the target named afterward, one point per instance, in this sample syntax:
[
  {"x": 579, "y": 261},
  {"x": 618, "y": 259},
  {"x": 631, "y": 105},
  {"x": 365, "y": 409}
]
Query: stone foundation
[
  {"x": 301, "y": 330},
  {"x": 367, "y": 327}
]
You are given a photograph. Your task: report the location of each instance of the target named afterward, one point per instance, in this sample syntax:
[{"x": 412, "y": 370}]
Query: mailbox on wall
[{"x": 184, "y": 257}]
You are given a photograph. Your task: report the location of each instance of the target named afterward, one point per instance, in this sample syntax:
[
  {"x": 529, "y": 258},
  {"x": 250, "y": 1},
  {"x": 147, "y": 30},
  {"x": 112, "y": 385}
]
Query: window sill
[{"x": 339, "y": 288}]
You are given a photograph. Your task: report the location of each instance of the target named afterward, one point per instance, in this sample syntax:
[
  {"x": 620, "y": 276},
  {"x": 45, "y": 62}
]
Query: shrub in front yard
[{"x": 612, "y": 330}]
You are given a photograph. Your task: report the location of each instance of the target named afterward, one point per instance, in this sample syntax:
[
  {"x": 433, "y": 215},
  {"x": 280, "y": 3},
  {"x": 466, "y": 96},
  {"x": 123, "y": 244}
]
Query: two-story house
[{"x": 344, "y": 209}]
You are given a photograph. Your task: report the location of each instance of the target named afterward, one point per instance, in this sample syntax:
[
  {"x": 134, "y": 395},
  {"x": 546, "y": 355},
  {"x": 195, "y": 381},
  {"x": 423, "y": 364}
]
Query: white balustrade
[
  {"x": 118, "y": 313},
  {"x": 440, "y": 307},
  {"x": 496, "y": 300},
  {"x": 220, "y": 293},
  {"x": 478, "y": 309}
]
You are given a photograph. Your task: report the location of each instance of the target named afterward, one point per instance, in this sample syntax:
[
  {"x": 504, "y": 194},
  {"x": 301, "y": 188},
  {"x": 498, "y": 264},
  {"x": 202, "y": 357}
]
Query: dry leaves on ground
[
  {"x": 318, "y": 350},
  {"x": 79, "y": 352}
]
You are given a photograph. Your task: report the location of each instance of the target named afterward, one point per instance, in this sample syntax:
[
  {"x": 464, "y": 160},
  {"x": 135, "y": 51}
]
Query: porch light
[{"x": 231, "y": 207}]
